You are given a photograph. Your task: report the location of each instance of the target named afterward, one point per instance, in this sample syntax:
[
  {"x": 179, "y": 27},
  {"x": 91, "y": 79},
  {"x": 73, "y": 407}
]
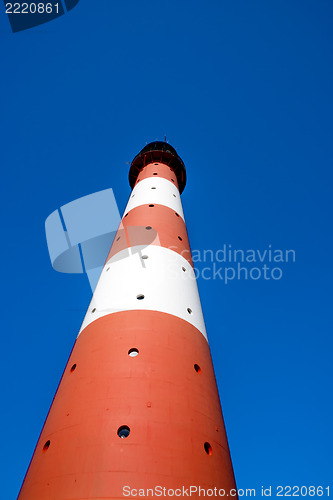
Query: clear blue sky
[{"x": 243, "y": 90}]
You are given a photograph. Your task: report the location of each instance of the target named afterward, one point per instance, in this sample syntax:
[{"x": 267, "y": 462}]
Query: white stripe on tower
[
  {"x": 150, "y": 278},
  {"x": 155, "y": 190}
]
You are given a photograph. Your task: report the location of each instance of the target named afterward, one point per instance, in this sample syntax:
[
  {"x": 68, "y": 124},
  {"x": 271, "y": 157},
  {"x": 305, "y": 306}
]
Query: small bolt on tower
[{"x": 138, "y": 405}]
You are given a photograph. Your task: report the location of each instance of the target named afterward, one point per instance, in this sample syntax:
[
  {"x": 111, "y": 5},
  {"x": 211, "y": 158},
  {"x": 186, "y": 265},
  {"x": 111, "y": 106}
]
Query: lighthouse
[{"x": 137, "y": 410}]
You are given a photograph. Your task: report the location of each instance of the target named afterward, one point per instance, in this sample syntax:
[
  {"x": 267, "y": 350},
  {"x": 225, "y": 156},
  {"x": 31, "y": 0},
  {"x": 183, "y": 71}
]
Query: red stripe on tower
[{"x": 138, "y": 404}]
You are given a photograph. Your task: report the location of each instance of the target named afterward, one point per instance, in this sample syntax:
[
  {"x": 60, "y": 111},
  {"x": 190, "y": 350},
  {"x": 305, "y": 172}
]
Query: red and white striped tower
[{"x": 138, "y": 405}]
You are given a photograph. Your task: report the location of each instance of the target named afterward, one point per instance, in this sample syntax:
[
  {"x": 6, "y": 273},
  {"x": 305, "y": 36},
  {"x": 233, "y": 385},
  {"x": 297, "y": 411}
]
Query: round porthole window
[
  {"x": 46, "y": 445},
  {"x": 208, "y": 448},
  {"x": 124, "y": 431}
]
